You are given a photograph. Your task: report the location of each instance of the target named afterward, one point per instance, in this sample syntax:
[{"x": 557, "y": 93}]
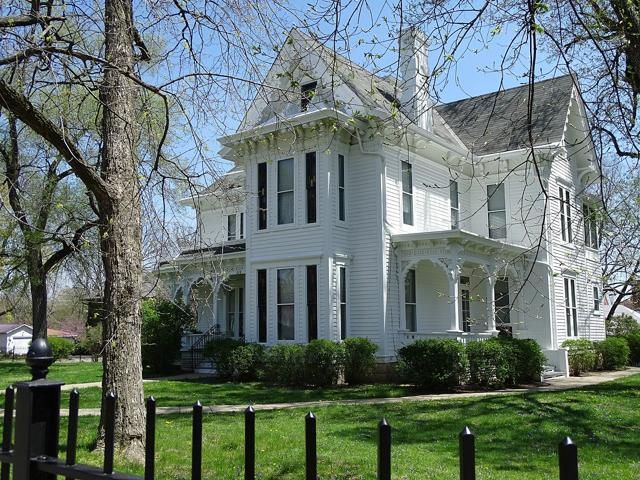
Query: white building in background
[
  {"x": 357, "y": 207},
  {"x": 15, "y": 339}
]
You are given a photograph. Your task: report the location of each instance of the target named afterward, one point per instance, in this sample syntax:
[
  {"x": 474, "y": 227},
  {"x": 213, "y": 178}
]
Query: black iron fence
[{"x": 34, "y": 456}]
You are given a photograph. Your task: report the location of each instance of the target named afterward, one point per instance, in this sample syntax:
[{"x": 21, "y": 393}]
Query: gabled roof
[
  {"x": 497, "y": 122},
  {"x": 485, "y": 124},
  {"x": 10, "y": 327}
]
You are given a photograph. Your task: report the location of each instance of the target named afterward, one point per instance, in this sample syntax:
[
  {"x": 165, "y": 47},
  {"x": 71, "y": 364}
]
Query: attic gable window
[{"x": 308, "y": 91}]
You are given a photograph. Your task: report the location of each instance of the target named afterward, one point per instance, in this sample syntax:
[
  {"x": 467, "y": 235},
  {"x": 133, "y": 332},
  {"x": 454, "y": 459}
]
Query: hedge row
[
  {"x": 320, "y": 363},
  {"x": 613, "y": 353},
  {"x": 445, "y": 363}
]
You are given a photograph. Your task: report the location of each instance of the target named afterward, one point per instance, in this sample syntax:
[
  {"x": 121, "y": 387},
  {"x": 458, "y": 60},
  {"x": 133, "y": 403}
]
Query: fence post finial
[
  {"x": 568, "y": 458},
  {"x": 39, "y": 358}
]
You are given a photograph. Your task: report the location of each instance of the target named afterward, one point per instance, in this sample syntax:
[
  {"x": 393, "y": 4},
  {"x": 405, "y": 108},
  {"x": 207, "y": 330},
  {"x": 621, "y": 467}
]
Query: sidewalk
[{"x": 555, "y": 385}]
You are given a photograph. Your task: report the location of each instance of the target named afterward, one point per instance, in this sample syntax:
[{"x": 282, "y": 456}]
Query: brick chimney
[{"x": 414, "y": 73}]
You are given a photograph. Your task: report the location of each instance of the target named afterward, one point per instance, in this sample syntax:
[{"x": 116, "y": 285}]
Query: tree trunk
[
  {"x": 120, "y": 233},
  {"x": 38, "y": 285}
]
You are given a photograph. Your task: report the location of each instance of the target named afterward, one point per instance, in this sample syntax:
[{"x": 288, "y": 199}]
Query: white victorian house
[{"x": 357, "y": 207}]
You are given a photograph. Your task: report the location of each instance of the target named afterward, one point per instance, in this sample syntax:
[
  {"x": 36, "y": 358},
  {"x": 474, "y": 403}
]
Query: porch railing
[{"x": 463, "y": 337}]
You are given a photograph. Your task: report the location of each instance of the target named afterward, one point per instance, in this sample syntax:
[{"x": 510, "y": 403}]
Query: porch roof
[{"x": 460, "y": 238}]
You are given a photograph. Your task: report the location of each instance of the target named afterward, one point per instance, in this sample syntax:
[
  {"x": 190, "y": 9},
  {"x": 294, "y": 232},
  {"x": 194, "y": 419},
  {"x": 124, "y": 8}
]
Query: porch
[{"x": 458, "y": 285}]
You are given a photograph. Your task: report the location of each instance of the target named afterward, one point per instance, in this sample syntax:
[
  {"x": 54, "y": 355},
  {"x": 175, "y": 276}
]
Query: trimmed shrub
[
  {"x": 235, "y": 360},
  {"x": 360, "y": 359},
  {"x": 163, "y": 323},
  {"x": 61, "y": 347},
  {"x": 434, "y": 363},
  {"x": 582, "y": 355},
  {"x": 489, "y": 363},
  {"x": 526, "y": 358},
  {"x": 284, "y": 365},
  {"x": 633, "y": 339},
  {"x": 620, "y": 325},
  {"x": 323, "y": 363},
  {"x": 614, "y": 353}
]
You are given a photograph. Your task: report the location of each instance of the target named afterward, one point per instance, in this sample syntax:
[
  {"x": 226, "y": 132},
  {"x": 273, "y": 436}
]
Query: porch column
[{"x": 452, "y": 266}]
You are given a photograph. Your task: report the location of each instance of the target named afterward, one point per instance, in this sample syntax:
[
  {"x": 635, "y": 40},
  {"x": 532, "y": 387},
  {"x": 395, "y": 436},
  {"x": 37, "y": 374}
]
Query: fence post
[
  {"x": 37, "y": 415},
  {"x": 7, "y": 430},
  {"x": 196, "y": 442},
  {"x": 467, "y": 452},
  {"x": 568, "y": 458},
  {"x": 249, "y": 443},
  {"x": 384, "y": 450},
  {"x": 311, "y": 446}
]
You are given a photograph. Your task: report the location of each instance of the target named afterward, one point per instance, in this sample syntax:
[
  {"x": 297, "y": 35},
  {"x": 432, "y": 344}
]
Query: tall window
[
  {"x": 455, "y": 206},
  {"x": 310, "y": 167},
  {"x": 262, "y": 196},
  {"x": 590, "y": 226},
  {"x": 308, "y": 91},
  {"x": 312, "y": 302},
  {"x": 241, "y": 312},
  {"x": 231, "y": 227},
  {"x": 341, "y": 199},
  {"x": 410, "y": 313},
  {"x": 407, "y": 193},
  {"x": 465, "y": 303},
  {"x": 596, "y": 298},
  {"x": 286, "y": 301},
  {"x": 343, "y": 303},
  {"x": 496, "y": 211},
  {"x": 231, "y": 312},
  {"x": 565, "y": 214},
  {"x": 502, "y": 306},
  {"x": 285, "y": 191},
  {"x": 242, "y": 225},
  {"x": 571, "y": 310},
  {"x": 262, "y": 306}
]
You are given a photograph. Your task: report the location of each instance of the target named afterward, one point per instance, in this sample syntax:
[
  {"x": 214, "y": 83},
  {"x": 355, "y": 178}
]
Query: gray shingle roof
[{"x": 497, "y": 122}]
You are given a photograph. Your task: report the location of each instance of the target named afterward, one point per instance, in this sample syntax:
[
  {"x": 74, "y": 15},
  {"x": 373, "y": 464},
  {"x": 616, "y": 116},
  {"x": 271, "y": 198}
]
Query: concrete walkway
[{"x": 554, "y": 385}]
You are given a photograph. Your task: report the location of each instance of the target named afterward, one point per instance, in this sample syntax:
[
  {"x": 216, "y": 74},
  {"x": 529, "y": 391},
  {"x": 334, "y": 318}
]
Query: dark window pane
[
  {"x": 308, "y": 91},
  {"x": 311, "y": 186},
  {"x": 262, "y": 196},
  {"x": 312, "y": 302},
  {"x": 231, "y": 227},
  {"x": 343, "y": 303},
  {"x": 495, "y": 196},
  {"x": 262, "y": 306},
  {"x": 341, "y": 188}
]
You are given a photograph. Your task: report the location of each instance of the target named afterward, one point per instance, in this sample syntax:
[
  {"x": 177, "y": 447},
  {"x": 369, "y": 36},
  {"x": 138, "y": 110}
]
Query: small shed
[{"x": 15, "y": 338}]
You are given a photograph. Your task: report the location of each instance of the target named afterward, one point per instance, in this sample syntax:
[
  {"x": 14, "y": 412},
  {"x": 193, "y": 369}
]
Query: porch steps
[
  {"x": 549, "y": 372},
  {"x": 205, "y": 368}
]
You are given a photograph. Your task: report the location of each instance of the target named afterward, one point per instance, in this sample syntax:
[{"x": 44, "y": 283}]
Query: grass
[
  {"x": 12, "y": 371},
  {"x": 517, "y": 437},
  {"x": 185, "y": 392}
]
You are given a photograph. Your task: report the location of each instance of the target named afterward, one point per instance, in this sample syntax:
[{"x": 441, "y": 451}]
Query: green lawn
[
  {"x": 12, "y": 371},
  {"x": 185, "y": 392},
  {"x": 517, "y": 437}
]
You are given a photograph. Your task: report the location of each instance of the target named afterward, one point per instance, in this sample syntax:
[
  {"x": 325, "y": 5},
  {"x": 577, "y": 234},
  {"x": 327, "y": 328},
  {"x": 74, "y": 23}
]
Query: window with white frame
[
  {"x": 343, "y": 302},
  {"x": 286, "y": 304},
  {"x": 455, "y": 205},
  {"x": 596, "y": 298},
  {"x": 235, "y": 226},
  {"x": 410, "y": 312},
  {"x": 565, "y": 214},
  {"x": 590, "y": 226},
  {"x": 571, "y": 310},
  {"x": 501, "y": 301},
  {"x": 285, "y": 191},
  {"x": 496, "y": 211},
  {"x": 231, "y": 227},
  {"x": 407, "y": 193}
]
